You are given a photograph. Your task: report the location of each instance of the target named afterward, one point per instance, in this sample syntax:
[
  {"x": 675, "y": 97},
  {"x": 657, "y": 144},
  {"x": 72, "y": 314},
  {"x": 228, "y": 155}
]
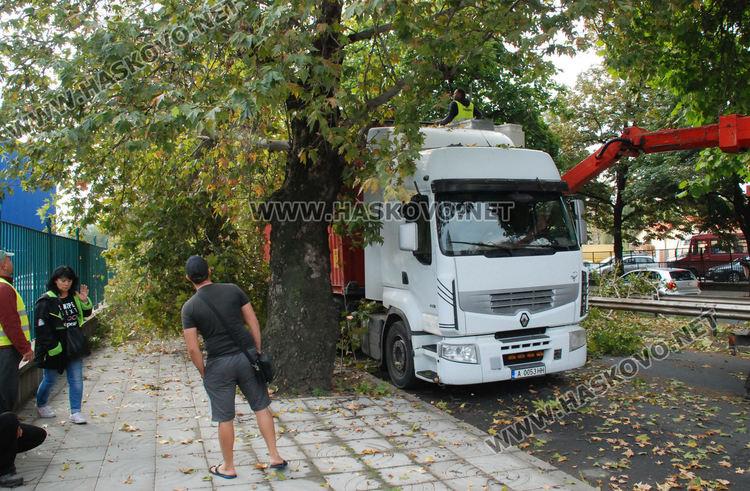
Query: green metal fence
[{"x": 37, "y": 254}]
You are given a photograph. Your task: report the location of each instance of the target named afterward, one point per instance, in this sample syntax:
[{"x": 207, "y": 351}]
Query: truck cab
[{"x": 481, "y": 274}]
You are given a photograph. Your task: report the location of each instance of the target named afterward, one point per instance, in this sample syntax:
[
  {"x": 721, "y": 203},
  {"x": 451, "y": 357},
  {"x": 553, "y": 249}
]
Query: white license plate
[{"x": 528, "y": 372}]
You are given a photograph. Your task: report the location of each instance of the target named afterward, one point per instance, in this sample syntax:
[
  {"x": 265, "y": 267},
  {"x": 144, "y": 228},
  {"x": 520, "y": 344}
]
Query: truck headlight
[
  {"x": 462, "y": 353},
  {"x": 577, "y": 339}
]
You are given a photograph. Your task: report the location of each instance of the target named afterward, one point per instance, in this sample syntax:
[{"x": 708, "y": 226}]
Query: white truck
[{"x": 481, "y": 278}]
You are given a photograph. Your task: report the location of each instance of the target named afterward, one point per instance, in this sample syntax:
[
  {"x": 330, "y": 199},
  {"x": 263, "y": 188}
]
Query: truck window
[
  {"x": 503, "y": 224},
  {"x": 424, "y": 251}
]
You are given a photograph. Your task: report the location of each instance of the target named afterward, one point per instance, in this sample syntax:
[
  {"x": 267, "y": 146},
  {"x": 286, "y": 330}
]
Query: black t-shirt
[
  {"x": 227, "y": 299},
  {"x": 68, "y": 311}
]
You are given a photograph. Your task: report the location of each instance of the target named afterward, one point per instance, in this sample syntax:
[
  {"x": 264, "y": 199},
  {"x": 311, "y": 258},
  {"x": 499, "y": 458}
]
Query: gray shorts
[{"x": 222, "y": 377}]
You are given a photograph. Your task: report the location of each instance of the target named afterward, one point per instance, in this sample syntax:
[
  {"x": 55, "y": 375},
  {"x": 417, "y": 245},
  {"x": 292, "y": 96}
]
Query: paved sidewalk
[{"x": 149, "y": 428}]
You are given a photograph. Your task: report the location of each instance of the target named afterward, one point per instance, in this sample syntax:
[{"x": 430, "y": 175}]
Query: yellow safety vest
[
  {"x": 5, "y": 340},
  {"x": 465, "y": 112}
]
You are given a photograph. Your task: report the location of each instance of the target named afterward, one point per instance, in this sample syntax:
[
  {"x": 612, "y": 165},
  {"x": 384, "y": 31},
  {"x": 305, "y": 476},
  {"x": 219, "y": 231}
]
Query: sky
[{"x": 571, "y": 67}]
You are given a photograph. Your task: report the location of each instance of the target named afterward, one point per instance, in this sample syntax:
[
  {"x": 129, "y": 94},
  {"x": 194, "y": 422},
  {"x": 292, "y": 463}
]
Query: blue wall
[{"x": 21, "y": 207}]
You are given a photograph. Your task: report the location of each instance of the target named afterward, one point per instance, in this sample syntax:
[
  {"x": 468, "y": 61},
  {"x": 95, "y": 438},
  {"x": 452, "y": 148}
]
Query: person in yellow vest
[
  {"x": 15, "y": 336},
  {"x": 461, "y": 108},
  {"x": 61, "y": 308}
]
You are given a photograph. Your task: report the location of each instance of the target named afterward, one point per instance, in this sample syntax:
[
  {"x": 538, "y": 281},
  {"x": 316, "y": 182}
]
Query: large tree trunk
[
  {"x": 303, "y": 325},
  {"x": 303, "y": 321}
]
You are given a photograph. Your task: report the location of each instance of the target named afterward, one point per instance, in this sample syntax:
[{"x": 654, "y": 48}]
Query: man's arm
[
  {"x": 249, "y": 315},
  {"x": 194, "y": 350},
  {"x": 11, "y": 323}
]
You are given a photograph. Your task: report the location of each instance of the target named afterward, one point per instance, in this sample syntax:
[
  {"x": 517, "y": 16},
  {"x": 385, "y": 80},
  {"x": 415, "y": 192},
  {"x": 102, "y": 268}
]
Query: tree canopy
[
  {"x": 160, "y": 113},
  {"x": 700, "y": 52}
]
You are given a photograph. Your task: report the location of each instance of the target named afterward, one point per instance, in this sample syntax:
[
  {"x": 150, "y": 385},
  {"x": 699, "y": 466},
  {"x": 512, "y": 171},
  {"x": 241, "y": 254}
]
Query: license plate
[{"x": 528, "y": 372}]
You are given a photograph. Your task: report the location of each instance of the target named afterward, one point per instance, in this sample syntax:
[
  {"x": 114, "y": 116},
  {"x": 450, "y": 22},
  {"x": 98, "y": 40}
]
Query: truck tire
[{"x": 398, "y": 356}]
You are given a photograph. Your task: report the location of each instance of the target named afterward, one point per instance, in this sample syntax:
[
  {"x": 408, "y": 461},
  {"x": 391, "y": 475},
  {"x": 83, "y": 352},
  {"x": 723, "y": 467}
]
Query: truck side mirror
[
  {"x": 407, "y": 237},
  {"x": 580, "y": 221}
]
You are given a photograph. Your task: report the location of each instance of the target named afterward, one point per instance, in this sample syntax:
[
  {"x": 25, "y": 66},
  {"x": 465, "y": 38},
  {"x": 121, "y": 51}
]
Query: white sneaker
[
  {"x": 45, "y": 412},
  {"x": 77, "y": 418}
]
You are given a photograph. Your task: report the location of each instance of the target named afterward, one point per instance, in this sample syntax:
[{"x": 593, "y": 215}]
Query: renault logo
[{"x": 524, "y": 319}]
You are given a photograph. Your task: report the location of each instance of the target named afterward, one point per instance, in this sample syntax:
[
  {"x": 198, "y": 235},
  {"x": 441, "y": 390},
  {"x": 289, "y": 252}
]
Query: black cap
[{"x": 197, "y": 269}]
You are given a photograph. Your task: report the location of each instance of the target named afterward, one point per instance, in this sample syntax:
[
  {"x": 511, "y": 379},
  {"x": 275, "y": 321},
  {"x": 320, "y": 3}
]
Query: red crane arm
[{"x": 732, "y": 134}]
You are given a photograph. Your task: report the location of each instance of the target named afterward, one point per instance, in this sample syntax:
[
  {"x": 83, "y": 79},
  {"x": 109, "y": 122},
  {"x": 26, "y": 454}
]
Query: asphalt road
[{"x": 680, "y": 423}]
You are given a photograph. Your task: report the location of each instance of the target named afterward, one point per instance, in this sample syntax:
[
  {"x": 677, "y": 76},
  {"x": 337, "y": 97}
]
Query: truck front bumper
[{"x": 498, "y": 359}]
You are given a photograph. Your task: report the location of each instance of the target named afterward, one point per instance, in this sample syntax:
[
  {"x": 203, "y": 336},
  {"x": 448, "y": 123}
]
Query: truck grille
[{"x": 511, "y": 302}]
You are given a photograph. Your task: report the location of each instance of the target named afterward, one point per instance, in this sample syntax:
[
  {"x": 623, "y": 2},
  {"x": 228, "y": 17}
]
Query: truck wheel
[{"x": 398, "y": 356}]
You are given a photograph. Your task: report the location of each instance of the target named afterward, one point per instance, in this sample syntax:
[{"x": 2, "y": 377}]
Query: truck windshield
[{"x": 503, "y": 224}]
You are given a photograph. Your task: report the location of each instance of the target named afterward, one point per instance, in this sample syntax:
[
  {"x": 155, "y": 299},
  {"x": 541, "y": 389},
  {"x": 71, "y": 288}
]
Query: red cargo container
[{"x": 347, "y": 263}]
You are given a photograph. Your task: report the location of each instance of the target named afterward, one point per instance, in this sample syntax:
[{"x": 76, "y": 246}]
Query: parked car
[
  {"x": 732, "y": 272},
  {"x": 629, "y": 263},
  {"x": 669, "y": 281}
]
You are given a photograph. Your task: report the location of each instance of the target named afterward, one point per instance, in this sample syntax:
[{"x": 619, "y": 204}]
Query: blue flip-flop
[
  {"x": 215, "y": 471},
  {"x": 279, "y": 466}
]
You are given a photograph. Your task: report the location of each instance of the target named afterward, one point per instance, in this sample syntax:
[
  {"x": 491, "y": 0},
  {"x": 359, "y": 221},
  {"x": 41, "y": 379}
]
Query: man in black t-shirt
[{"x": 226, "y": 366}]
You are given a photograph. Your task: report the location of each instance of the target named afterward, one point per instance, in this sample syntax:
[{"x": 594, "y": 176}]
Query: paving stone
[
  {"x": 356, "y": 481},
  {"x": 124, "y": 480},
  {"x": 338, "y": 464},
  {"x": 470, "y": 449},
  {"x": 82, "y": 454},
  {"x": 69, "y": 471},
  {"x": 431, "y": 453},
  {"x": 499, "y": 462},
  {"x": 411, "y": 441},
  {"x": 314, "y": 436},
  {"x": 169, "y": 479},
  {"x": 381, "y": 460},
  {"x": 405, "y": 475},
  {"x": 426, "y": 486},
  {"x": 331, "y": 449},
  {"x": 296, "y": 485},
  {"x": 303, "y": 415},
  {"x": 391, "y": 428},
  {"x": 374, "y": 444},
  {"x": 526, "y": 479},
  {"x": 451, "y": 469},
  {"x": 475, "y": 482},
  {"x": 356, "y": 432},
  {"x": 68, "y": 485}
]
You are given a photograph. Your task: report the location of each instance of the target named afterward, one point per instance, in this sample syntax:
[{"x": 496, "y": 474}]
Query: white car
[
  {"x": 670, "y": 281},
  {"x": 629, "y": 263}
]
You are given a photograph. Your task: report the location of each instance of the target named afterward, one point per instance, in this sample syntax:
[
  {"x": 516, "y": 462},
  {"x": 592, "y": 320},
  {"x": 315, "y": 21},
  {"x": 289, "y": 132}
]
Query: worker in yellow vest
[
  {"x": 15, "y": 336},
  {"x": 461, "y": 108}
]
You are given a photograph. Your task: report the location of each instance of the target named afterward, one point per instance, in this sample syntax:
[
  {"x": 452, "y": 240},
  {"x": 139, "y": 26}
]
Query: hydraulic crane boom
[{"x": 732, "y": 134}]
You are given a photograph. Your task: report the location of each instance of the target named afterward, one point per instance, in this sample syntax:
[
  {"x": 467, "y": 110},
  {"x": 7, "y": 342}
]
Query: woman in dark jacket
[{"x": 61, "y": 307}]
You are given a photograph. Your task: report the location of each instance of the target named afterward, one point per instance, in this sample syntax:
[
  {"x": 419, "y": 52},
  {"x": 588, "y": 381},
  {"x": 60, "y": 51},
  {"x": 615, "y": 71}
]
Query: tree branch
[
  {"x": 386, "y": 96},
  {"x": 368, "y": 33}
]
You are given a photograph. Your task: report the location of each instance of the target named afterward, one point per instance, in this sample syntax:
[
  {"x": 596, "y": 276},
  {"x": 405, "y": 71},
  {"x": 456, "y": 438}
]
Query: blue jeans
[{"x": 75, "y": 385}]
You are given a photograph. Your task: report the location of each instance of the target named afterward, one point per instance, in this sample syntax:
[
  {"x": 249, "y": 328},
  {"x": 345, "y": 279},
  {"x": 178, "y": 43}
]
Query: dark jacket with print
[{"x": 51, "y": 349}]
